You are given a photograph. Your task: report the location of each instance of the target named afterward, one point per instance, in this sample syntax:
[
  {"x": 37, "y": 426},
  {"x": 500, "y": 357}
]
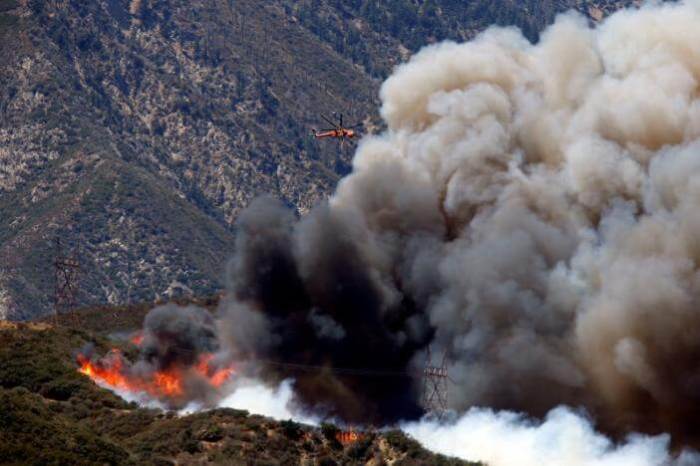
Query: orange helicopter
[{"x": 338, "y": 131}]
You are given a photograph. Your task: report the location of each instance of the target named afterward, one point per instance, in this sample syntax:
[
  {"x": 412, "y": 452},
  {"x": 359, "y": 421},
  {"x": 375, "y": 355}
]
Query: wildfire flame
[
  {"x": 346, "y": 437},
  {"x": 216, "y": 377},
  {"x": 112, "y": 372},
  {"x": 137, "y": 339}
]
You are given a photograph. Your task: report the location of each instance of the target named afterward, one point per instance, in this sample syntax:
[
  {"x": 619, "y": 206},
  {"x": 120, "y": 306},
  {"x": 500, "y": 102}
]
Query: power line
[
  {"x": 435, "y": 378},
  {"x": 366, "y": 372}
]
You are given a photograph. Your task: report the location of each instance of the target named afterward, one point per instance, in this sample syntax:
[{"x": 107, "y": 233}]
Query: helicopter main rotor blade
[{"x": 334, "y": 125}]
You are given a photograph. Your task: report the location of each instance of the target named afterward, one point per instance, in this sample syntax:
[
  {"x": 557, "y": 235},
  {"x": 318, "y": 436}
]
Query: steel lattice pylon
[
  {"x": 66, "y": 271},
  {"x": 435, "y": 389}
]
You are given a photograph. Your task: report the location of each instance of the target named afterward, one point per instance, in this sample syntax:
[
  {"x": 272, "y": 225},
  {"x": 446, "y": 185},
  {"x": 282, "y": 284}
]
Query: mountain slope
[
  {"x": 169, "y": 93},
  {"x": 138, "y": 129},
  {"x": 54, "y": 415}
]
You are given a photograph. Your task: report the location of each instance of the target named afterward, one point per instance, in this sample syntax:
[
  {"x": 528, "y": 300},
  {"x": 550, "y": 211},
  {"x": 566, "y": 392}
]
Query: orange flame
[
  {"x": 137, "y": 339},
  {"x": 346, "y": 437},
  {"x": 216, "y": 377},
  {"x": 111, "y": 371}
]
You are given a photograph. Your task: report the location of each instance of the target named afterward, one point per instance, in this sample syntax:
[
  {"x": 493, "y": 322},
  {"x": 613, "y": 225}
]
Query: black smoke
[
  {"x": 322, "y": 307},
  {"x": 177, "y": 336}
]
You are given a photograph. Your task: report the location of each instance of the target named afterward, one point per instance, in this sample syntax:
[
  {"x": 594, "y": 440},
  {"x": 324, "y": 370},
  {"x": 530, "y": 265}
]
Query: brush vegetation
[{"x": 51, "y": 414}]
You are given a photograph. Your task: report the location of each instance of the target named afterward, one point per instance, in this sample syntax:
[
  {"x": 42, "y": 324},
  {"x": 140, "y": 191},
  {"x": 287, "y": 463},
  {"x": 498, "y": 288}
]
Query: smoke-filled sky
[{"x": 531, "y": 210}]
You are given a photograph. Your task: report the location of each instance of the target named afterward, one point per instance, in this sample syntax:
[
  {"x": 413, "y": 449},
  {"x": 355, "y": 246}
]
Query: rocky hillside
[
  {"x": 53, "y": 415},
  {"x": 138, "y": 129}
]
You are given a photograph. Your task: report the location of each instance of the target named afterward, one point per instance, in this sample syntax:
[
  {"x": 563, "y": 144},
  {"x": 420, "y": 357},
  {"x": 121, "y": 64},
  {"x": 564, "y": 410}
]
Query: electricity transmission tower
[
  {"x": 66, "y": 270},
  {"x": 435, "y": 378}
]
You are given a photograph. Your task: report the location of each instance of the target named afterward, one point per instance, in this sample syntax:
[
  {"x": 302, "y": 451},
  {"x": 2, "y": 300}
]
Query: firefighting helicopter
[{"x": 338, "y": 131}]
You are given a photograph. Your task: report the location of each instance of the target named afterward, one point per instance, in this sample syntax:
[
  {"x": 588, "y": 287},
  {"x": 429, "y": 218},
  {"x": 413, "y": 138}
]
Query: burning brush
[
  {"x": 176, "y": 363},
  {"x": 170, "y": 385}
]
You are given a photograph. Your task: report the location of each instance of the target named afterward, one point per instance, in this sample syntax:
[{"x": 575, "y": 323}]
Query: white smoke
[
  {"x": 496, "y": 438},
  {"x": 274, "y": 402},
  {"x": 500, "y": 438},
  {"x": 564, "y": 437}
]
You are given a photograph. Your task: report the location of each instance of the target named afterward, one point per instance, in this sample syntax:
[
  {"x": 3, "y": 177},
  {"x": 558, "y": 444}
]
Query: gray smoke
[
  {"x": 175, "y": 359},
  {"x": 177, "y": 336},
  {"x": 531, "y": 209}
]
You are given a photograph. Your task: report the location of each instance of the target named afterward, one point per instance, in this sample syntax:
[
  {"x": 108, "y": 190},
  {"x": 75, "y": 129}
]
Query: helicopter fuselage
[{"x": 337, "y": 133}]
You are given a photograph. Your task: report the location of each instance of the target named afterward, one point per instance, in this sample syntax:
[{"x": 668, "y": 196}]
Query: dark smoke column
[{"x": 304, "y": 292}]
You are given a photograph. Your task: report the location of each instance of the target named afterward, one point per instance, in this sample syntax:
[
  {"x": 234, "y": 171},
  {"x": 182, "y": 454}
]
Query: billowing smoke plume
[
  {"x": 532, "y": 209},
  {"x": 176, "y": 335},
  {"x": 176, "y": 361},
  {"x": 307, "y": 294},
  {"x": 564, "y": 437}
]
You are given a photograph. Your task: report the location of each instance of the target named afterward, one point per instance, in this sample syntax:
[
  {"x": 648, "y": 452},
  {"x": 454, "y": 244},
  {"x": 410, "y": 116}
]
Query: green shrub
[
  {"x": 60, "y": 390},
  {"x": 235, "y": 413},
  {"x": 31, "y": 434},
  {"x": 400, "y": 441},
  {"x": 212, "y": 434},
  {"x": 327, "y": 461},
  {"x": 291, "y": 430},
  {"x": 329, "y": 431},
  {"x": 359, "y": 450}
]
